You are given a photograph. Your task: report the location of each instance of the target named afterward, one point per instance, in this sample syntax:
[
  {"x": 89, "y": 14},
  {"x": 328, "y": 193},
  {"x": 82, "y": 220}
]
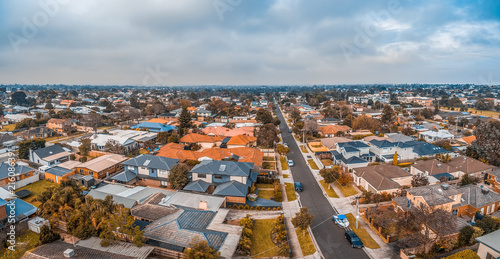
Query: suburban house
[
  {"x": 432, "y": 136},
  {"x": 57, "y": 174},
  {"x": 242, "y": 141},
  {"x": 225, "y": 178},
  {"x": 154, "y": 126},
  {"x": 49, "y": 156},
  {"x": 352, "y": 154},
  {"x": 99, "y": 142},
  {"x": 332, "y": 130},
  {"x": 381, "y": 178},
  {"x": 454, "y": 169},
  {"x": 223, "y": 131},
  {"x": 241, "y": 154},
  {"x": 8, "y": 142},
  {"x": 34, "y": 133},
  {"x": 489, "y": 247},
  {"x": 146, "y": 170},
  {"x": 99, "y": 167},
  {"x": 493, "y": 178},
  {"x": 461, "y": 201},
  {"x": 62, "y": 126},
  {"x": 203, "y": 140},
  {"x": 22, "y": 176},
  {"x": 408, "y": 150},
  {"x": 127, "y": 196}
]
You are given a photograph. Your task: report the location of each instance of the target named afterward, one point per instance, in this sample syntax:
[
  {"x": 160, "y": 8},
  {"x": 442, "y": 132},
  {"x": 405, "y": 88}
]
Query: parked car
[
  {"x": 298, "y": 186},
  {"x": 289, "y": 130},
  {"x": 353, "y": 239},
  {"x": 285, "y": 144},
  {"x": 290, "y": 162}
]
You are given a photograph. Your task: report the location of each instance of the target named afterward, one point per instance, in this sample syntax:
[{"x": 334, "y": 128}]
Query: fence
[
  {"x": 168, "y": 253},
  {"x": 385, "y": 238}
]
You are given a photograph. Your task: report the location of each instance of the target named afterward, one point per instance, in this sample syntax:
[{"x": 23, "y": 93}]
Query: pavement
[{"x": 328, "y": 236}]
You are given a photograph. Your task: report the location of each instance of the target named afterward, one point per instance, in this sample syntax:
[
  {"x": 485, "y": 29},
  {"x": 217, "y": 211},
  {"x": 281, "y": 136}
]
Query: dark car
[
  {"x": 353, "y": 239},
  {"x": 298, "y": 186}
]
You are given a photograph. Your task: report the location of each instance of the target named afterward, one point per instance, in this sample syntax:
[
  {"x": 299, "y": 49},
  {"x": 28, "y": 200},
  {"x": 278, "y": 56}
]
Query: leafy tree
[
  {"x": 134, "y": 103},
  {"x": 344, "y": 178},
  {"x": 85, "y": 146},
  {"x": 173, "y": 138},
  {"x": 295, "y": 114},
  {"x": 184, "y": 121},
  {"x": 19, "y": 98},
  {"x": 488, "y": 224},
  {"x": 199, "y": 249},
  {"x": 303, "y": 219},
  {"x": 282, "y": 150},
  {"x": 49, "y": 106},
  {"x": 418, "y": 180},
  {"x": 267, "y": 135},
  {"x": 366, "y": 123},
  {"x": 388, "y": 115},
  {"x": 484, "y": 105},
  {"x": 467, "y": 235},
  {"x": 348, "y": 120},
  {"x": 330, "y": 175},
  {"x": 264, "y": 116},
  {"x": 464, "y": 254},
  {"x": 486, "y": 147},
  {"x": 162, "y": 137},
  {"x": 25, "y": 146},
  {"x": 467, "y": 179},
  {"x": 178, "y": 177},
  {"x": 47, "y": 235}
]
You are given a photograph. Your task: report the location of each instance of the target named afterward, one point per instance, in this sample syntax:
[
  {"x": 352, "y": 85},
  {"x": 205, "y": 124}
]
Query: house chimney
[
  {"x": 69, "y": 253},
  {"x": 203, "y": 205}
]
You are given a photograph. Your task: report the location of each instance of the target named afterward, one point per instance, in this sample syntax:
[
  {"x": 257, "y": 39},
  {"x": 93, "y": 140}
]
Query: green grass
[
  {"x": 266, "y": 194},
  {"x": 347, "y": 190},
  {"x": 27, "y": 241},
  {"x": 361, "y": 232},
  {"x": 284, "y": 163},
  {"x": 290, "y": 192},
  {"x": 331, "y": 192},
  {"x": 306, "y": 244},
  {"x": 313, "y": 165},
  {"x": 262, "y": 245},
  {"x": 286, "y": 175},
  {"x": 264, "y": 185},
  {"x": 35, "y": 189},
  {"x": 304, "y": 149}
]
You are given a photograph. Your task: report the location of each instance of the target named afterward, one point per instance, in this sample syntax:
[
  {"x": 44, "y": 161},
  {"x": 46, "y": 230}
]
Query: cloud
[{"x": 255, "y": 42}]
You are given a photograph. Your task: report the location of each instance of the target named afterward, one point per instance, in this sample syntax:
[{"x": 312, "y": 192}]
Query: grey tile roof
[
  {"x": 6, "y": 137},
  {"x": 353, "y": 160},
  {"x": 49, "y": 151},
  {"x": 181, "y": 227},
  {"x": 124, "y": 176},
  {"x": 20, "y": 169},
  {"x": 383, "y": 143},
  {"x": 197, "y": 186},
  {"x": 476, "y": 197},
  {"x": 397, "y": 137},
  {"x": 230, "y": 168},
  {"x": 491, "y": 240},
  {"x": 59, "y": 171},
  {"x": 157, "y": 162},
  {"x": 435, "y": 194},
  {"x": 232, "y": 188}
]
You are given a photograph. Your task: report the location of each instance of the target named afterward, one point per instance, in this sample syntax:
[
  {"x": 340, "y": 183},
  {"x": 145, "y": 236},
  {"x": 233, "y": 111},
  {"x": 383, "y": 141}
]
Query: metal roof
[
  {"x": 156, "y": 162},
  {"x": 230, "y": 168},
  {"x": 197, "y": 186},
  {"x": 232, "y": 188}
]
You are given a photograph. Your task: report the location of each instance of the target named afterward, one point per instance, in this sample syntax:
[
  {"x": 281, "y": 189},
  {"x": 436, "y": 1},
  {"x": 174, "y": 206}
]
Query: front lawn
[
  {"x": 262, "y": 245},
  {"x": 347, "y": 190},
  {"x": 306, "y": 244},
  {"x": 327, "y": 162},
  {"x": 284, "y": 163},
  {"x": 266, "y": 194},
  {"x": 9, "y": 127},
  {"x": 286, "y": 175},
  {"x": 35, "y": 189},
  {"x": 331, "y": 192},
  {"x": 264, "y": 185},
  {"x": 361, "y": 232},
  {"x": 290, "y": 192},
  {"x": 313, "y": 165},
  {"x": 27, "y": 241}
]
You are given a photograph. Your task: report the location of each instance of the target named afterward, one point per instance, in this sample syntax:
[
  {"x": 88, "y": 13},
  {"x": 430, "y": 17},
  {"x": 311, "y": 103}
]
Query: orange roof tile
[
  {"x": 217, "y": 131},
  {"x": 241, "y": 140},
  {"x": 195, "y": 138},
  {"x": 469, "y": 139},
  {"x": 332, "y": 129},
  {"x": 158, "y": 120}
]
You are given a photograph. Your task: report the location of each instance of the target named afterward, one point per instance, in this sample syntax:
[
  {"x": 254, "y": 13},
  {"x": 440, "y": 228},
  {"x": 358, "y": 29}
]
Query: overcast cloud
[{"x": 249, "y": 42}]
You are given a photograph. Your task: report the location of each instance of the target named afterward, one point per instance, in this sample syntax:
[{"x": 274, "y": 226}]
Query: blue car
[{"x": 298, "y": 186}]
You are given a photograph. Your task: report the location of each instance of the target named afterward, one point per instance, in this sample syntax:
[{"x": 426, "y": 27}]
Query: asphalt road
[{"x": 329, "y": 236}]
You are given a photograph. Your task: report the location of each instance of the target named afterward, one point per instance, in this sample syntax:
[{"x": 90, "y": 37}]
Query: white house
[
  {"x": 50, "y": 156},
  {"x": 432, "y": 136}
]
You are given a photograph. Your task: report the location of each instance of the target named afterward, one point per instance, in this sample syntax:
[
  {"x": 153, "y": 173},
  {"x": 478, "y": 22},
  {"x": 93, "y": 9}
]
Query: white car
[{"x": 290, "y": 162}]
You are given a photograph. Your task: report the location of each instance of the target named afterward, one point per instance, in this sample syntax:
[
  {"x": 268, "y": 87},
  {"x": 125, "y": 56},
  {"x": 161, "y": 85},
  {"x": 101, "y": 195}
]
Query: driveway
[{"x": 329, "y": 237}]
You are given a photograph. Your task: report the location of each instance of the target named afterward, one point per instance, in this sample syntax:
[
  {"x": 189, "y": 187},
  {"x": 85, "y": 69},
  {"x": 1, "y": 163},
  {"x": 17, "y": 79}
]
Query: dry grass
[
  {"x": 330, "y": 192},
  {"x": 361, "y": 232},
  {"x": 9, "y": 127},
  {"x": 313, "y": 165},
  {"x": 290, "y": 192},
  {"x": 35, "y": 189},
  {"x": 266, "y": 194},
  {"x": 306, "y": 244},
  {"x": 284, "y": 163},
  {"x": 262, "y": 245},
  {"x": 304, "y": 149},
  {"x": 327, "y": 162}
]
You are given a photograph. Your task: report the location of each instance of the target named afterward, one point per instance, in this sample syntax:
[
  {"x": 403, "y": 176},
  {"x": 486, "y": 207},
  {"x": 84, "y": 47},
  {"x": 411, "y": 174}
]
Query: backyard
[
  {"x": 266, "y": 194},
  {"x": 35, "y": 189},
  {"x": 327, "y": 162},
  {"x": 24, "y": 242}
]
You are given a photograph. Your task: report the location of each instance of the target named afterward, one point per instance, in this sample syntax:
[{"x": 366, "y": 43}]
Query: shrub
[
  {"x": 240, "y": 207},
  {"x": 257, "y": 208},
  {"x": 247, "y": 207}
]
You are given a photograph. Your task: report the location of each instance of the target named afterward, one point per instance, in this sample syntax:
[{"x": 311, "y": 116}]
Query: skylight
[
  {"x": 146, "y": 163},
  {"x": 222, "y": 168}
]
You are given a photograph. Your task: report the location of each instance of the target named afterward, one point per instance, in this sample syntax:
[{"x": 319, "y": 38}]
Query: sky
[{"x": 249, "y": 42}]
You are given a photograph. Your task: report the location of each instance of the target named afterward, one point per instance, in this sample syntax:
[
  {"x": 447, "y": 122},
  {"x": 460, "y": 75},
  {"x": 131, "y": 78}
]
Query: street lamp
[
  {"x": 357, "y": 210},
  {"x": 303, "y": 135}
]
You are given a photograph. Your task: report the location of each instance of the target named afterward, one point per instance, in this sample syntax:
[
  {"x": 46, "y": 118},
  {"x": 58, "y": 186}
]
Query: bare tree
[
  {"x": 134, "y": 114},
  {"x": 311, "y": 126},
  {"x": 114, "y": 146},
  {"x": 92, "y": 120}
]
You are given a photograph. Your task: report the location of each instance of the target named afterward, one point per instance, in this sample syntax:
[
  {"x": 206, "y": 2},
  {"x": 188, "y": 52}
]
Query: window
[
  {"x": 489, "y": 256},
  {"x": 218, "y": 176},
  {"x": 202, "y": 175},
  {"x": 82, "y": 171}
]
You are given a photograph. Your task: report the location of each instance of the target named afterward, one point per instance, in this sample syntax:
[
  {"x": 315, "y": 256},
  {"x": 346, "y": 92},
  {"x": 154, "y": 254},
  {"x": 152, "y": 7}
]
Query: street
[{"x": 329, "y": 237}]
